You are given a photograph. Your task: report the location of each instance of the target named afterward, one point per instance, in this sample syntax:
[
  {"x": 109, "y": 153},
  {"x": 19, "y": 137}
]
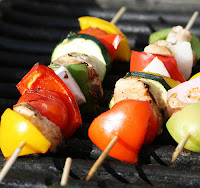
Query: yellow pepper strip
[
  {"x": 194, "y": 76},
  {"x": 123, "y": 52},
  {"x": 171, "y": 82},
  {"x": 14, "y": 129}
]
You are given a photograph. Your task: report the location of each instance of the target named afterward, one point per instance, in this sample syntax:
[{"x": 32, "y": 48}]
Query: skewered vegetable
[
  {"x": 111, "y": 41},
  {"x": 14, "y": 129},
  {"x": 88, "y": 45},
  {"x": 186, "y": 121},
  {"x": 43, "y": 77},
  {"x": 128, "y": 119},
  {"x": 162, "y": 35},
  {"x": 84, "y": 72},
  {"x": 123, "y": 52},
  {"x": 140, "y": 60},
  {"x": 48, "y": 103}
]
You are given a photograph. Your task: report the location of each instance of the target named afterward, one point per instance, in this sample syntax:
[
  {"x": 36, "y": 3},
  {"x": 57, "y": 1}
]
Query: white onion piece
[
  {"x": 67, "y": 78},
  {"x": 182, "y": 53},
  {"x": 187, "y": 92},
  {"x": 157, "y": 66}
]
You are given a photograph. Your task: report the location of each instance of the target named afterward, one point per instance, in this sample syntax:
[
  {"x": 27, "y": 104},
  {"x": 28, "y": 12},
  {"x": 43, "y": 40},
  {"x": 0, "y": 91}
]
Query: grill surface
[{"x": 29, "y": 31}]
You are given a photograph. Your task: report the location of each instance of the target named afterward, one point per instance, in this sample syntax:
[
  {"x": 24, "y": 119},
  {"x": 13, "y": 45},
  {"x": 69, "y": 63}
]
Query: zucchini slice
[
  {"x": 149, "y": 76},
  {"x": 88, "y": 45}
]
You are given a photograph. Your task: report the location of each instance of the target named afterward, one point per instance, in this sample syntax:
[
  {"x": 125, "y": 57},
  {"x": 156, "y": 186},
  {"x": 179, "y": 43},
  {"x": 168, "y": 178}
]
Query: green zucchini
[
  {"x": 149, "y": 76},
  {"x": 88, "y": 45},
  {"x": 162, "y": 35},
  {"x": 80, "y": 74}
]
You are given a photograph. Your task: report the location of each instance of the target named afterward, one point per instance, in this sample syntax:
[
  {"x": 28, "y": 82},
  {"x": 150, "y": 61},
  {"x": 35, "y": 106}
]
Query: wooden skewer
[
  {"x": 189, "y": 24},
  {"x": 101, "y": 158},
  {"x": 66, "y": 171},
  {"x": 118, "y": 15},
  {"x": 192, "y": 20},
  {"x": 186, "y": 137},
  {"x": 11, "y": 161},
  {"x": 180, "y": 147}
]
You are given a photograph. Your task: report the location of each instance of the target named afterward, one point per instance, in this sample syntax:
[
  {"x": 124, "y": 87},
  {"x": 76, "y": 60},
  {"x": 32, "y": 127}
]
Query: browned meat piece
[
  {"x": 133, "y": 88},
  {"x": 174, "y": 105},
  {"x": 178, "y": 34},
  {"x": 160, "y": 47},
  {"x": 49, "y": 129}
]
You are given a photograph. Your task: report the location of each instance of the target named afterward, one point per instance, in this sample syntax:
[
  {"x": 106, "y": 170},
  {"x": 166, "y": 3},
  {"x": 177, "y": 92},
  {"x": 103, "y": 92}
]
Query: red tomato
[
  {"x": 139, "y": 60},
  {"x": 49, "y": 104},
  {"x": 43, "y": 77},
  {"x": 111, "y": 41},
  {"x": 128, "y": 119}
]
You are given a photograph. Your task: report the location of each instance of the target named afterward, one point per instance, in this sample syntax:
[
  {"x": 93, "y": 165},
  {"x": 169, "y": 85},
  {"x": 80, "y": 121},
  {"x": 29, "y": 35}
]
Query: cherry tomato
[
  {"x": 43, "y": 77},
  {"x": 139, "y": 60},
  {"x": 128, "y": 119}
]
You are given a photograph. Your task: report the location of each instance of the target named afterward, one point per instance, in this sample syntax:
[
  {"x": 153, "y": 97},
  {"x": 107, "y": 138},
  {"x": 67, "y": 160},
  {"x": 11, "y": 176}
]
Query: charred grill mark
[{"x": 66, "y": 76}]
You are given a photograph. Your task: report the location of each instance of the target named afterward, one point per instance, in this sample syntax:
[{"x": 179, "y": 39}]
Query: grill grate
[{"x": 29, "y": 30}]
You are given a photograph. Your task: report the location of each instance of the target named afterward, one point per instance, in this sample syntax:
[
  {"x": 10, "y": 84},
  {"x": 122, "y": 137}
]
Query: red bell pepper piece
[
  {"x": 139, "y": 60},
  {"x": 127, "y": 119},
  {"x": 111, "y": 41},
  {"x": 49, "y": 104},
  {"x": 43, "y": 77}
]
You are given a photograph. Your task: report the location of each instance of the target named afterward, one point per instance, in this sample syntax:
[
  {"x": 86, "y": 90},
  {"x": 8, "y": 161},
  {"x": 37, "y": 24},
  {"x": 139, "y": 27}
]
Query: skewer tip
[
  {"x": 101, "y": 158},
  {"x": 180, "y": 147},
  {"x": 11, "y": 160},
  {"x": 66, "y": 171}
]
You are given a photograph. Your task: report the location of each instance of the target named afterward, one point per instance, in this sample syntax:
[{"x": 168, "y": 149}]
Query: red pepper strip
[
  {"x": 43, "y": 77},
  {"x": 111, "y": 41},
  {"x": 139, "y": 60}
]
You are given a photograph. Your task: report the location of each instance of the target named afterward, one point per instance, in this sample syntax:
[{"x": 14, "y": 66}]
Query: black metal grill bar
[
  {"x": 19, "y": 31},
  {"x": 16, "y": 59},
  {"x": 112, "y": 173},
  {"x": 31, "y": 47}
]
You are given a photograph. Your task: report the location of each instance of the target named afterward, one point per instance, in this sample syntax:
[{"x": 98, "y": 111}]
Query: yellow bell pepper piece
[
  {"x": 171, "y": 82},
  {"x": 123, "y": 52},
  {"x": 194, "y": 76},
  {"x": 14, "y": 129}
]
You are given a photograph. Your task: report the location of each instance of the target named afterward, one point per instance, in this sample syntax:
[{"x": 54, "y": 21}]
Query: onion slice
[{"x": 67, "y": 78}]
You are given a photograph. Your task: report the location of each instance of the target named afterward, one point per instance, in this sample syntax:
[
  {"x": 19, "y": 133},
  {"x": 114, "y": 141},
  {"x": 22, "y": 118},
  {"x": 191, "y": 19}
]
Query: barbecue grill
[{"x": 29, "y": 31}]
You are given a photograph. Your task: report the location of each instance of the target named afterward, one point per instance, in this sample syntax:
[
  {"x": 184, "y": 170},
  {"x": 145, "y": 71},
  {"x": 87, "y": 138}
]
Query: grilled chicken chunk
[
  {"x": 174, "y": 105},
  {"x": 133, "y": 88},
  {"x": 160, "y": 47},
  {"x": 49, "y": 129},
  {"x": 96, "y": 89},
  {"x": 178, "y": 34}
]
